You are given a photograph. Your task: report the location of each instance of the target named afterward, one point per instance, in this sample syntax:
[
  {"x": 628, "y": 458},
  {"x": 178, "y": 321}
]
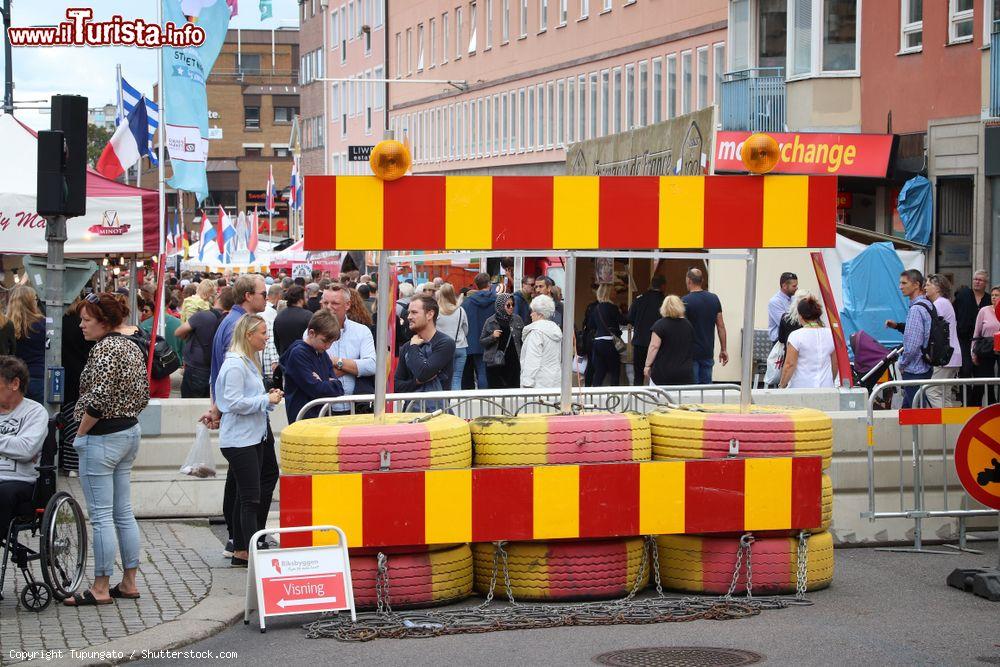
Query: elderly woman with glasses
[{"x": 308, "y": 369}]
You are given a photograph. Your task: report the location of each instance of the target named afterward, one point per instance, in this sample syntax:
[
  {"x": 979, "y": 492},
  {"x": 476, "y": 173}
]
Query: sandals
[
  {"x": 86, "y": 600},
  {"x": 117, "y": 593}
]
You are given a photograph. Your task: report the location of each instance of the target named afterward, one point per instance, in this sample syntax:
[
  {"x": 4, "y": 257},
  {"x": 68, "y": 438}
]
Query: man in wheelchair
[{"x": 23, "y": 427}]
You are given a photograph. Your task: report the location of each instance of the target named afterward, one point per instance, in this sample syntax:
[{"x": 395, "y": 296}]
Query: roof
[{"x": 221, "y": 165}]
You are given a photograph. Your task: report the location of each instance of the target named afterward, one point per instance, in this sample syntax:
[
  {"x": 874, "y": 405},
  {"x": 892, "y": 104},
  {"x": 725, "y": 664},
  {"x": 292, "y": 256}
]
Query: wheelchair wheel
[
  {"x": 36, "y": 596},
  {"x": 63, "y": 545}
]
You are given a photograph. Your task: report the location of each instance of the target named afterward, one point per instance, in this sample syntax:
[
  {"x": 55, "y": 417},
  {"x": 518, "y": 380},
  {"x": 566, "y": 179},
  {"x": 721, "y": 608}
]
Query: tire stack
[
  {"x": 705, "y": 564},
  {"x": 562, "y": 569},
  {"x": 418, "y": 576}
]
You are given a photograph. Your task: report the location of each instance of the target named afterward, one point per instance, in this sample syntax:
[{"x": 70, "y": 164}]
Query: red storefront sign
[
  {"x": 814, "y": 154},
  {"x": 301, "y": 595},
  {"x": 845, "y": 199}
]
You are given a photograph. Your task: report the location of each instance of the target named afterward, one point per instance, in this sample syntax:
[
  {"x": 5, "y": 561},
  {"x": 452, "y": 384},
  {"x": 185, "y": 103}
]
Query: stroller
[{"x": 874, "y": 364}]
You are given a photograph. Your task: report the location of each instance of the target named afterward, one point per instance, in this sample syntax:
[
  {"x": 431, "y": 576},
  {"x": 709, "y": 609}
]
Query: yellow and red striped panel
[
  {"x": 935, "y": 416},
  {"x": 565, "y": 569},
  {"x": 559, "y": 439},
  {"x": 573, "y": 212},
  {"x": 552, "y": 502}
]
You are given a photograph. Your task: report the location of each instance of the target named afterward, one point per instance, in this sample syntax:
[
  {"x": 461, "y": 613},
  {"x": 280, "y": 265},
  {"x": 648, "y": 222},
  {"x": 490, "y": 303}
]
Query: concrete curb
[{"x": 218, "y": 610}]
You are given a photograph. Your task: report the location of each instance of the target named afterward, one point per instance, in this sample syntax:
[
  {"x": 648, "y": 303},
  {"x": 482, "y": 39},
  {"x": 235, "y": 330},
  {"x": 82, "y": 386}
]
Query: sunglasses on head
[{"x": 93, "y": 297}]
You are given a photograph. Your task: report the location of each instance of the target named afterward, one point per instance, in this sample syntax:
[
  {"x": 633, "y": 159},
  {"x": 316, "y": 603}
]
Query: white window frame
[
  {"x": 643, "y": 84},
  {"x": 560, "y": 129},
  {"x": 432, "y": 44},
  {"x": 606, "y": 7},
  {"x": 343, "y": 35},
  {"x": 352, "y": 17},
  {"x": 473, "y": 27},
  {"x": 445, "y": 27},
  {"x": 520, "y": 120},
  {"x": 816, "y": 70},
  {"x": 687, "y": 81},
  {"x": 954, "y": 18},
  {"x": 540, "y": 126},
  {"x": 571, "y": 114},
  {"x": 563, "y": 12},
  {"x": 379, "y": 89},
  {"x": 504, "y": 124},
  {"x": 505, "y": 22},
  {"x": 420, "y": 47},
  {"x": 617, "y": 85},
  {"x": 523, "y": 19},
  {"x": 409, "y": 51},
  {"x": 584, "y": 9},
  {"x": 543, "y": 15},
  {"x": 701, "y": 84},
  {"x": 719, "y": 66},
  {"x": 532, "y": 121},
  {"x": 630, "y": 114},
  {"x": 605, "y": 124},
  {"x": 458, "y": 33},
  {"x": 988, "y": 6},
  {"x": 907, "y": 27},
  {"x": 489, "y": 25},
  {"x": 670, "y": 86},
  {"x": 379, "y": 13},
  {"x": 581, "y": 106}
]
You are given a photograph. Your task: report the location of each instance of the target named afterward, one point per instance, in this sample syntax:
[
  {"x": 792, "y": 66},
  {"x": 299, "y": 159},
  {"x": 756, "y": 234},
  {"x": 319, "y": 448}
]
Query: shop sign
[
  {"x": 814, "y": 154},
  {"x": 845, "y": 199}
]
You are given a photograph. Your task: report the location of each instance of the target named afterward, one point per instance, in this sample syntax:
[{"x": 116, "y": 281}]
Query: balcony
[
  {"x": 995, "y": 71},
  {"x": 753, "y": 100}
]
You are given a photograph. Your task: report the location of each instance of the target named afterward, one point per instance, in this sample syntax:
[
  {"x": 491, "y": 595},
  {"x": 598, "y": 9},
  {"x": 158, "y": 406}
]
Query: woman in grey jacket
[
  {"x": 244, "y": 404},
  {"x": 501, "y": 341}
]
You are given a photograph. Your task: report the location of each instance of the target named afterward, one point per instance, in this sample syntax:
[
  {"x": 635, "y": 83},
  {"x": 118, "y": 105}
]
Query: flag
[
  {"x": 127, "y": 145},
  {"x": 186, "y": 245},
  {"x": 302, "y": 195},
  {"x": 207, "y": 235},
  {"x": 252, "y": 241},
  {"x": 265, "y": 9},
  {"x": 130, "y": 96},
  {"x": 269, "y": 203},
  {"x": 171, "y": 236},
  {"x": 224, "y": 235},
  {"x": 185, "y": 98},
  {"x": 294, "y": 185}
]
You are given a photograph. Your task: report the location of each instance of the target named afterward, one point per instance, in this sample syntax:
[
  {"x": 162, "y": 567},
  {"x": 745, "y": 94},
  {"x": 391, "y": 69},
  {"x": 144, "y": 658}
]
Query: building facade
[
  {"x": 523, "y": 79},
  {"x": 253, "y": 97},
  {"x": 345, "y": 41}
]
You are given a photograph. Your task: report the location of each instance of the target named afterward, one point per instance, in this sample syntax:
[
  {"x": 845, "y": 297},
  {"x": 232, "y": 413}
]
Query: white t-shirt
[{"x": 815, "y": 345}]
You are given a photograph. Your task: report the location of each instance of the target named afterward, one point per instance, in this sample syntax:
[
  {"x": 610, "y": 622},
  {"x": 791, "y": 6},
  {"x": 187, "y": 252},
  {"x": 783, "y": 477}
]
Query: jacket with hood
[
  {"x": 540, "y": 355},
  {"x": 493, "y": 354},
  {"x": 479, "y": 306},
  {"x": 308, "y": 375}
]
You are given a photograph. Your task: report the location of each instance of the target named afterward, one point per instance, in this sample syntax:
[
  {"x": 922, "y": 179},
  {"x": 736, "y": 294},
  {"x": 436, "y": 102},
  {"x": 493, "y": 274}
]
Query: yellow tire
[
  {"x": 354, "y": 443},
  {"x": 553, "y": 439},
  {"x": 705, "y": 432},
  {"x": 419, "y": 579},
  {"x": 697, "y": 564},
  {"x": 564, "y": 569}
]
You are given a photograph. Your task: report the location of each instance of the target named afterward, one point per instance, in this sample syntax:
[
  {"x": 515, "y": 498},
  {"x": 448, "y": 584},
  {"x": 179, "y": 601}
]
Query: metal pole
[
  {"x": 55, "y": 235},
  {"x": 8, "y": 93},
  {"x": 746, "y": 349},
  {"x": 569, "y": 298},
  {"x": 382, "y": 336}
]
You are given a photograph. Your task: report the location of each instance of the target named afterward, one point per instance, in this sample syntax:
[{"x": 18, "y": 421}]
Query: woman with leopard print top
[{"x": 113, "y": 391}]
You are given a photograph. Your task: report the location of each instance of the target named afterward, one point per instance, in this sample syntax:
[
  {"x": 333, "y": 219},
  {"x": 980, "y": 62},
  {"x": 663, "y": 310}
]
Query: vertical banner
[
  {"x": 833, "y": 316},
  {"x": 184, "y": 73}
]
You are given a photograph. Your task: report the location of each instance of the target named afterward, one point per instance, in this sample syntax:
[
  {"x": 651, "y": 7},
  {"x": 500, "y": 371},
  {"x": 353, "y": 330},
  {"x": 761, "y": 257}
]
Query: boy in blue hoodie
[{"x": 308, "y": 370}]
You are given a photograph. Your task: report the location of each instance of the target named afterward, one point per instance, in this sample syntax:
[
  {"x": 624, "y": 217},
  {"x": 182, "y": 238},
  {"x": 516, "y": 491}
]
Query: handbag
[
  {"x": 775, "y": 360},
  {"x": 983, "y": 346},
  {"x": 616, "y": 339}
]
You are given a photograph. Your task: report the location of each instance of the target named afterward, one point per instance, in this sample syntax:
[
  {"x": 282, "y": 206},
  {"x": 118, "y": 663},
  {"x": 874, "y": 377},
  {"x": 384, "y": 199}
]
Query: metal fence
[
  {"x": 510, "y": 402},
  {"x": 753, "y": 100},
  {"x": 913, "y": 504}
]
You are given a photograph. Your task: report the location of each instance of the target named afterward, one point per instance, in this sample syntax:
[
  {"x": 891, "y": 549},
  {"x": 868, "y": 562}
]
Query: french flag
[{"x": 129, "y": 143}]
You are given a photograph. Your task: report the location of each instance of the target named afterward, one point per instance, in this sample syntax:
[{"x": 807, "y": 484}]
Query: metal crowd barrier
[
  {"x": 919, "y": 510},
  {"x": 473, "y": 403}
]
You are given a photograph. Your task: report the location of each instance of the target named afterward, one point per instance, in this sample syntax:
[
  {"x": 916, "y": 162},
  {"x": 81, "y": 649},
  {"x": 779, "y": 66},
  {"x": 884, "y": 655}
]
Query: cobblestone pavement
[{"x": 173, "y": 577}]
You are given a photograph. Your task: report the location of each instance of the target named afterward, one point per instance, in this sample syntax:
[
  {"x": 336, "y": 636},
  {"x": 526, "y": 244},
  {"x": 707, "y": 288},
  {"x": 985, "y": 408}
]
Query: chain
[
  {"x": 748, "y": 540},
  {"x": 656, "y": 565},
  {"x": 493, "y": 578},
  {"x": 802, "y": 564},
  {"x": 506, "y": 573},
  {"x": 383, "y": 607}
]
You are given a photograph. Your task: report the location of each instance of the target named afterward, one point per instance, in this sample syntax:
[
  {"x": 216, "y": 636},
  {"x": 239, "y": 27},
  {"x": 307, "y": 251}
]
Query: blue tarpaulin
[
  {"x": 916, "y": 210},
  {"x": 871, "y": 294}
]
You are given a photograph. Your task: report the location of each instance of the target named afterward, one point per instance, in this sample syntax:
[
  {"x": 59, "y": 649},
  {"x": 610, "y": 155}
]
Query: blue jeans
[
  {"x": 910, "y": 392},
  {"x": 703, "y": 370},
  {"x": 36, "y": 390},
  {"x": 105, "y": 468},
  {"x": 480, "y": 366},
  {"x": 456, "y": 375}
]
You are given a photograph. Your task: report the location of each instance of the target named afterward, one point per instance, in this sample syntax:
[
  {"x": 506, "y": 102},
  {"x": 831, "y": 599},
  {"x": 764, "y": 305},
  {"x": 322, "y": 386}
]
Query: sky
[{"x": 90, "y": 71}]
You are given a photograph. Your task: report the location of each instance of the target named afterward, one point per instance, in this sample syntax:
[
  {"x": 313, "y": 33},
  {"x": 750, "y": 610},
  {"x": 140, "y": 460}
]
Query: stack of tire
[
  {"x": 418, "y": 576},
  {"x": 562, "y": 569},
  {"x": 705, "y": 564}
]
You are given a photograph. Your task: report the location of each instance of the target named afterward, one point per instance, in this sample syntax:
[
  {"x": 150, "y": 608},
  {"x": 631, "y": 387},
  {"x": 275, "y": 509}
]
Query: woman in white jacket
[{"x": 541, "y": 352}]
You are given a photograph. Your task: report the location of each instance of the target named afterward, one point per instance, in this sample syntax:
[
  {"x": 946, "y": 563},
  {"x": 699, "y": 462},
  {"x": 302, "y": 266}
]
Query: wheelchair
[{"x": 62, "y": 546}]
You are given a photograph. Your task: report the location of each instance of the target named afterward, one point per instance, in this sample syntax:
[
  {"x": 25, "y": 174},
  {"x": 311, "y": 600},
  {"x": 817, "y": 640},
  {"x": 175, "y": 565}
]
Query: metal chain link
[
  {"x": 382, "y": 604},
  {"x": 801, "y": 566},
  {"x": 748, "y": 541},
  {"x": 656, "y": 565}
]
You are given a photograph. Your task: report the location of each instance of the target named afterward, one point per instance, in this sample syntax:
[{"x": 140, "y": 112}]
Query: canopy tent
[
  {"x": 120, "y": 218},
  {"x": 239, "y": 260},
  {"x": 295, "y": 254}
]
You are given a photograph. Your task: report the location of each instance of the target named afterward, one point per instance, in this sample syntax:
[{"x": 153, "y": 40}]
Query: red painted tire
[
  {"x": 355, "y": 443},
  {"x": 564, "y": 569},
  {"x": 705, "y": 432},
  {"x": 697, "y": 564},
  {"x": 415, "y": 579},
  {"x": 560, "y": 439}
]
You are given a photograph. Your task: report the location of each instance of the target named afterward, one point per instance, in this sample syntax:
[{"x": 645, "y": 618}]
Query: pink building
[
  {"x": 340, "y": 40},
  {"x": 525, "y": 78}
]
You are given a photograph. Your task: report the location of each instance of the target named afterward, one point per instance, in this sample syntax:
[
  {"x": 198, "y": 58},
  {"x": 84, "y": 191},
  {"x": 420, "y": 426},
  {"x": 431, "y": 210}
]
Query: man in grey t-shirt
[{"x": 23, "y": 427}]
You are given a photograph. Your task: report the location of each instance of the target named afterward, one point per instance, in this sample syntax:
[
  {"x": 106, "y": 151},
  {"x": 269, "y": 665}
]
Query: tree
[{"x": 97, "y": 138}]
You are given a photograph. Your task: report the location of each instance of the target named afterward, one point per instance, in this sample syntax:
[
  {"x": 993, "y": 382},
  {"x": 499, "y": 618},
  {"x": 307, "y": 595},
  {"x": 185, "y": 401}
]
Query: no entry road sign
[{"x": 977, "y": 456}]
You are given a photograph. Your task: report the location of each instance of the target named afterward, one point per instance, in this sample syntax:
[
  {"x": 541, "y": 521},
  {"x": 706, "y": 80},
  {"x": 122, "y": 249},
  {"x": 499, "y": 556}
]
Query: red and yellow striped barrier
[
  {"x": 935, "y": 416},
  {"x": 418, "y": 579},
  {"x": 579, "y": 212},
  {"x": 555, "y": 502}
]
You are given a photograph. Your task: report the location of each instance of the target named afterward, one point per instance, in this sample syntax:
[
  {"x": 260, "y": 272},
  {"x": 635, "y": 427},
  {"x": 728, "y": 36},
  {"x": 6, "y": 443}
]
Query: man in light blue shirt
[
  {"x": 353, "y": 355},
  {"x": 779, "y": 303}
]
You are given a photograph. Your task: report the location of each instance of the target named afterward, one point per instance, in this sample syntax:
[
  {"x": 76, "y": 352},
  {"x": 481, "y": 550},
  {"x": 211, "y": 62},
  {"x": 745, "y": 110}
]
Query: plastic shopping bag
[
  {"x": 775, "y": 360},
  {"x": 199, "y": 462}
]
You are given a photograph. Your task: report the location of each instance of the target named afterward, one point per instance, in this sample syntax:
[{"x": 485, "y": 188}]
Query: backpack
[
  {"x": 165, "y": 360},
  {"x": 938, "y": 350}
]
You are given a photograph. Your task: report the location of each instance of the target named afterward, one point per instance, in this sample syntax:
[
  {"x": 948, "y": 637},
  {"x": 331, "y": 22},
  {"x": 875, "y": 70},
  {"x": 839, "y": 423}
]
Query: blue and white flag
[
  {"x": 130, "y": 96},
  {"x": 206, "y": 237},
  {"x": 184, "y": 74}
]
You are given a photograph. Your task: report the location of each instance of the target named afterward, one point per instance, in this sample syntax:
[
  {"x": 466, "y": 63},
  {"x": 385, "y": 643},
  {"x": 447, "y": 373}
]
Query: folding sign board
[{"x": 569, "y": 212}]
